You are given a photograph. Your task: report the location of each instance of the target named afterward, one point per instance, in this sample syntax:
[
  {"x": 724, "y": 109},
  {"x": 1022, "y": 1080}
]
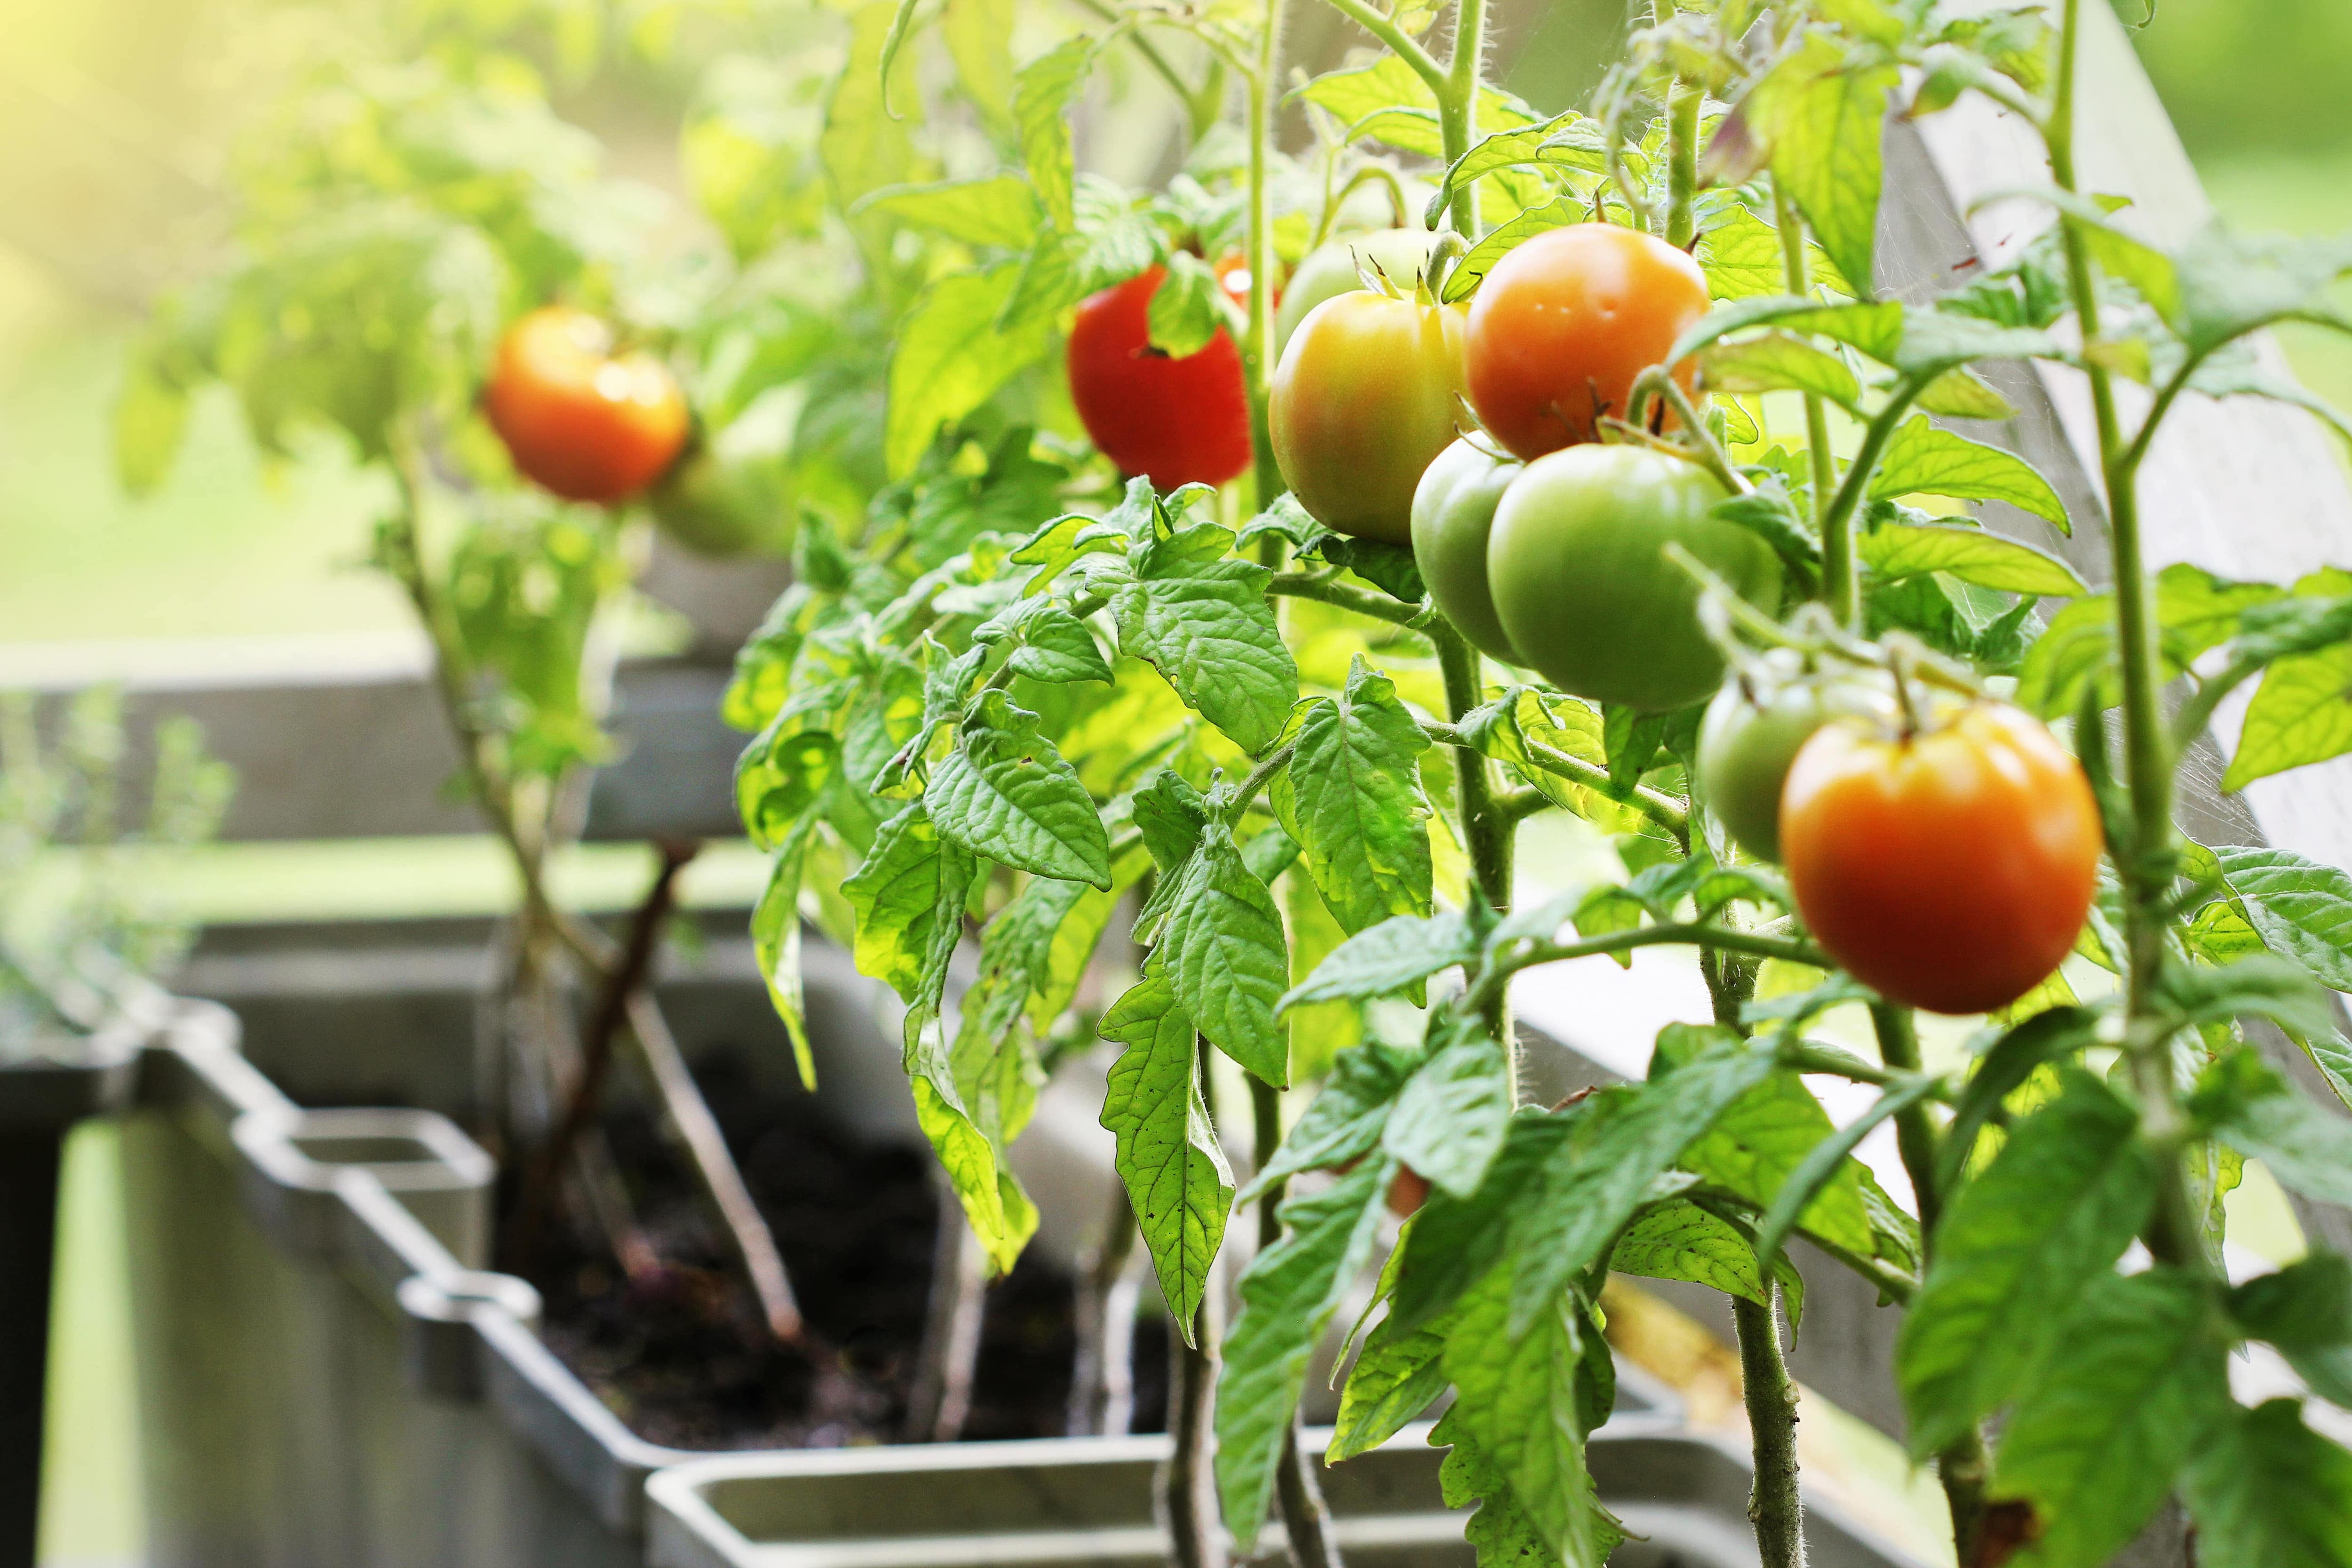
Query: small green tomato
[{"x": 1754, "y": 729}]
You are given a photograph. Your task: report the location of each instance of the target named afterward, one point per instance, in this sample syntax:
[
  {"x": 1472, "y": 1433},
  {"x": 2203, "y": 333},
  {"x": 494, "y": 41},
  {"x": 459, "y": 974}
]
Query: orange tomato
[
  {"x": 579, "y": 420},
  {"x": 1562, "y": 325},
  {"x": 1950, "y": 870}
]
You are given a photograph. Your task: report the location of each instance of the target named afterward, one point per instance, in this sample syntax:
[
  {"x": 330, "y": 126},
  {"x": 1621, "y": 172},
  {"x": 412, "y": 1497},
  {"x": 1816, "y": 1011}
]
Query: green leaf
[
  {"x": 2301, "y": 713},
  {"x": 1042, "y": 91},
  {"x": 1183, "y": 314},
  {"x": 951, "y": 355},
  {"x": 1453, "y": 1242},
  {"x": 2047, "y": 1036},
  {"x": 998, "y": 210},
  {"x": 776, "y": 944},
  {"x": 862, "y": 147},
  {"x": 1345, "y": 1121},
  {"x": 1517, "y": 1397},
  {"x": 1390, "y": 957},
  {"x": 1925, "y": 460},
  {"x": 2258, "y": 987},
  {"x": 1833, "y": 1158},
  {"x": 2301, "y": 908},
  {"x": 1176, "y": 1179},
  {"x": 1006, "y": 792},
  {"x": 1398, "y": 1375},
  {"x": 1971, "y": 555},
  {"x": 1625, "y": 1139},
  {"x": 2018, "y": 1250},
  {"x": 1202, "y": 620},
  {"x": 1777, "y": 361},
  {"x": 1960, "y": 394},
  {"x": 1054, "y": 643},
  {"x": 779, "y": 776},
  {"x": 1352, "y": 796},
  {"x": 1822, "y": 116},
  {"x": 979, "y": 39},
  {"x": 2305, "y": 1310},
  {"x": 907, "y": 896},
  {"x": 2231, "y": 284},
  {"x": 1480, "y": 260},
  {"x": 2100, "y": 1434},
  {"x": 1740, "y": 254},
  {"x": 1760, "y": 1140},
  {"x": 1287, "y": 1296},
  {"x": 2266, "y": 1488},
  {"x": 1500, "y": 1534},
  {"x": 1223, "y": 953},
  {"x": 1679, "y": 1240},
  {"x": 1449, "y": 1121},
  {"x": 2242, "y": 1100}
]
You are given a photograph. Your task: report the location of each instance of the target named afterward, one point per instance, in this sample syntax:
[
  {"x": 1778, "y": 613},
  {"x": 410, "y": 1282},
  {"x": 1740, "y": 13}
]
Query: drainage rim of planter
[{"x": 1682, "y": 1495}]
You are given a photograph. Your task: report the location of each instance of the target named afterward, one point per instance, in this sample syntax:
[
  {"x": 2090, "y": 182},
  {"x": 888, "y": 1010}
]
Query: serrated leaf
[
  {"x": 998, "y": 210},
  {"x": 2231, "y": 284},
  {"x": 2047, "y": 1036},
  {"x": 1005, "y": 792},
  {"x": 1389, "y": 957},
  {"x": 1777, "y": 361},
  {"x": 2095, "y": 1443},
  {"x": 1225, "y": 954},
  {"x": 1057, "y": 645},
  {"x": 1925, "y": 460},
  {"x": 1822, "y": 116},
  {"x": 1971, "y": 555},
  {"x": 1679, "y": 1240},
  {"x": 1176, "y": 1179},
  {"x": 1182, "y": 315},
  {"x": 1042, "y": 91},
  {"x": 1449, "y": 1120},
  {"x": 2266, "y": 1488},
  {"x": 1960, "y": 394},
  {"x": 1288, "y": 1294},
  {"x": 2301, "y": 713},
  {"x": 1464, "y": 280},
  {"x": 907, "y": 896},
  {"x": 1740, "y": 254},
  {"x": 776, "y": 945},
  {"x": 1759, "y": 1139},
  {"x": 2300, "y": 908},
  {"x": 1517, "y": 1397},
  {"x": 1397, "y": 1377},
  {"x": 952, "y": 354},
  {"x": 2243, "y": 1101},
  {"x": 1626, "y": 1138},
  {"x": 2258, "y": 987},
  {"x": 1352, "y": 796},
  {"x": 1345, "y": 1121},
  {"x": 1202, "y": 621},
  {"x": 780, "y": 773},
  {"x": 2016, "y": 1252}
]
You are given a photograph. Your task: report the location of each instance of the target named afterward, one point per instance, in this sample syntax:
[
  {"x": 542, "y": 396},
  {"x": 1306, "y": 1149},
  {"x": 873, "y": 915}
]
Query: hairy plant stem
[
  {"x": 1841, "y": 586},
  {"x": 1682, "y": 163},
  {"x": 1102, "y": 1382},
  {"x": 1487, "y": 827},
  {"x": 1304, "y": 1518},
  {"x": 1959, "y": 1466},
  {"x": 2173, "y": 1236},
  {"x": 1258, "y": 347},
  {"x": 1773, "y": 1507},
  {"x": 1457, "y": 108}
]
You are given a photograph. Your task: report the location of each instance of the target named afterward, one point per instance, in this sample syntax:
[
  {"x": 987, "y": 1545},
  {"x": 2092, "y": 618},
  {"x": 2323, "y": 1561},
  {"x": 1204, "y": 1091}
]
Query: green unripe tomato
[
  {"x": 1329, "y": 270},
  {"x": 1453, "y": 514},
  {"x": 731, "y": 494},
  {"x": 1582, "y": 586},
  {"x": 1754, "y": 729},
  {"x": 1362, "y": 402}
]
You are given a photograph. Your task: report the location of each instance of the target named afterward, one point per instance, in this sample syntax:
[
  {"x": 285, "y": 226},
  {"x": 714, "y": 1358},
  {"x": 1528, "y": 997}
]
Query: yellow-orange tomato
[
  {"x": 1950, "y": 870},
  {"x": 1562, "y": 325},
  {"x": 1363, "y": 400},
  {"x": 576, "y": 418}
]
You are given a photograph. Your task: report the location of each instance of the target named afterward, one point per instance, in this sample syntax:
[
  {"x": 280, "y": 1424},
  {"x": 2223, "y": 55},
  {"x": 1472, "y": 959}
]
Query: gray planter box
[
  {"x": 1089, "y": 1501},
  {"x": 328, "y": 1376}
]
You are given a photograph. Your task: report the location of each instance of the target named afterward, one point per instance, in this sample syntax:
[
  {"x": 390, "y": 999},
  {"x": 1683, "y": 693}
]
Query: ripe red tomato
[
  {"x": 1564, "y": 322},
  {"x": 1363, "y": 400},
  {"x": 587, "y": 424},
  {"x": 1951, "y": 869},
  {"x": 1173, "y": 421}
]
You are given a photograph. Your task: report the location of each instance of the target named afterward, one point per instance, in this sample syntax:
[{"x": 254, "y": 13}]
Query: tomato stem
[
  {"x": 1681, "y": 168},
  {"x": 1771, "y": 1397},
  {"x": 1836, "y": 586},
  {"x": 1488, "y": 830},
  {"x": 1457, "y": 108},
  {"x": 1258, "y": 351}
]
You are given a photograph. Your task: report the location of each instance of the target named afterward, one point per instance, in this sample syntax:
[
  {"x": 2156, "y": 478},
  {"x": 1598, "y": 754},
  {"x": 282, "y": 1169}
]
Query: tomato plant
[
  {"x": 1363, "y": 399},
  {"x": 1453, "y": 518},
  {"x": 1753, "y": 730}
]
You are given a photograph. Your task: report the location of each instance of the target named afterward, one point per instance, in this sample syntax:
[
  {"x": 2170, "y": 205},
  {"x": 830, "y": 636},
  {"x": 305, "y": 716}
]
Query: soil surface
[{"x": 680, "y": 1357}]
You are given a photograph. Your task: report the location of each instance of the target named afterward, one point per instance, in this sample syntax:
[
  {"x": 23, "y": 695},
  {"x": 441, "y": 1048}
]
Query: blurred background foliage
[{"x": 120, "y": 122}]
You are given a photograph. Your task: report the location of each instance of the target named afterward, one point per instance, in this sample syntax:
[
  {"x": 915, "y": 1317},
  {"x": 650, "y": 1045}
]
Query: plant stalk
[
  {"x": 2174, "y": 1235},
  {"x": 1457, "y": 108},
  {"x": 1960, "y": 1465},
  {"x": 1487, "y": 827},
  {"x": 1682, "y": 163},
  {"x": 1195, "y": 1538},
  {"x": 1774, "y": 1505},
  {"x": 1304, "y": 1518},
  {"x": 940, "y": 1400},
  {"x": 1841, "y": 589},
  {"x": 1102, "y": 1382},
  {"x": 1258, "y": 349}
]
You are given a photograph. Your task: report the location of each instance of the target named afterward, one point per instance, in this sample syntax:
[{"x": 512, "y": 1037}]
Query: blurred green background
[{"x": 116, "y": 123}]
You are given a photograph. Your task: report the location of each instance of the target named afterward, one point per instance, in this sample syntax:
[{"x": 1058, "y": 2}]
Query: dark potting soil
[{"x": 681, "y": 1359}]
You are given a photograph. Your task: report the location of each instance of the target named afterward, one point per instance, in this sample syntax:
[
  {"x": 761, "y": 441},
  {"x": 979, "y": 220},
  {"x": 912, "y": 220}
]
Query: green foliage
[{"x": 1175, "y": 1173}]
